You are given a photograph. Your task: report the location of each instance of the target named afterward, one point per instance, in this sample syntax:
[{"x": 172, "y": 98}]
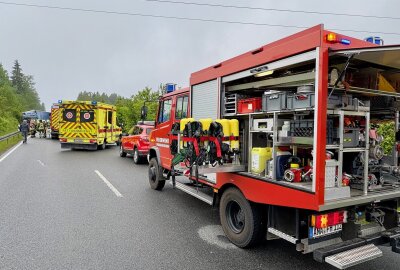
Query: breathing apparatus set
[{"x": 205, "y": 142}]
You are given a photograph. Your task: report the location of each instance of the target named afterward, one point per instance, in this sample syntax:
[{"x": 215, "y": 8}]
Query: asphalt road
[{"x": 57, "y": 213}]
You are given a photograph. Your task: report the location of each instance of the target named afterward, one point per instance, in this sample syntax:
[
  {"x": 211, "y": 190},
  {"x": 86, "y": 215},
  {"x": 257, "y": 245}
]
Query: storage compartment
[
  {"x": 230, "y": 104},
  {"x": 371, "y": 78},
  {"x": 307, "y": 100},
  {"x": 266, "y": 124},
  {"x": 249, "y": 105},
  {"x": 274, "y": 101},
  {"x": 305, "y": 128},
  {"x": 300, "y": 101},
  {"x": 351, "y": 137}
]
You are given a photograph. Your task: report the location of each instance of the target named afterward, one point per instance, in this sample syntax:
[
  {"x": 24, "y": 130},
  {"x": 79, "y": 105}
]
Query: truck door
[
  {"x": 163, "y": 127},
  {"x": 110, "y": 126},
  {"x": 182, "y": 107}
]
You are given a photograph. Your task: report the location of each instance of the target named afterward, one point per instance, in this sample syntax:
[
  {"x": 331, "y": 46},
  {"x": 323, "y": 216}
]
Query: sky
[{"x": 72, "y": 51}]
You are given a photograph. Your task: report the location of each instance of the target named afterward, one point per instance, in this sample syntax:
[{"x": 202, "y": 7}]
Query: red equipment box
[{"x": 249, "y": 105}]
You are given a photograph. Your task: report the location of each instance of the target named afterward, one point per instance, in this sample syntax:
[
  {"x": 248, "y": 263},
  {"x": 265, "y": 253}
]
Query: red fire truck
[{"x": 297, "y": 139}]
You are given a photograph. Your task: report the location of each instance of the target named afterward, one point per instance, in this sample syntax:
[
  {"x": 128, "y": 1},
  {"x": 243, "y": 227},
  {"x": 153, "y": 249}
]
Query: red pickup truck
[{"x": 136, "y": 143}]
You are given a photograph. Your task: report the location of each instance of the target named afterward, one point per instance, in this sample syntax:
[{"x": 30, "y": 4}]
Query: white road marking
[
  {"x": 10, "y": 151},
  {"x": 214, "y": 235},
  {"x": 113, "y": 189},
  {"x": 41, "y": 162}
]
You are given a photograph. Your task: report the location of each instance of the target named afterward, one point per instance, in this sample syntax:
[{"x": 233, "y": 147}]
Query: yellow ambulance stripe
[{"x": 55, "y": 115}]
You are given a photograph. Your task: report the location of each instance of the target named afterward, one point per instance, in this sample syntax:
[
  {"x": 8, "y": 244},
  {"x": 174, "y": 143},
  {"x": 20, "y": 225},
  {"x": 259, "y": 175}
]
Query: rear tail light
[
  {"x": 63, "y": 140},
  {"x": 92, "y": 141},
  {"x": 329, "y": 219}
]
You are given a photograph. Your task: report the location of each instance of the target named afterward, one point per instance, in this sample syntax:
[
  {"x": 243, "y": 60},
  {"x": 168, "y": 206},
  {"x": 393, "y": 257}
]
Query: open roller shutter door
[{"x": 205, "y": 100}]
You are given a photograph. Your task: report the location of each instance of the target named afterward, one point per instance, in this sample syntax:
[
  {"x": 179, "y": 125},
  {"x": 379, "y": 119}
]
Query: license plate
[
  {"x": 78, "y": 140},
  {"x": 315, "y": 233}
]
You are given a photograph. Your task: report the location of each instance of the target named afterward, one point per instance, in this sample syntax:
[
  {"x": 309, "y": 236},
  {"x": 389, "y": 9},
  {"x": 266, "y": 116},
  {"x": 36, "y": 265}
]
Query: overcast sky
[{"x": 72, "y": 51}]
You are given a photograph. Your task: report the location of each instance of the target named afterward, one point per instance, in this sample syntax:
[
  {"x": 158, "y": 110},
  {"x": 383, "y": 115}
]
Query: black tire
[
  {"x": 156, "y": 179},
  {"x": 136, "y": 157},
  {"x": 240, "y": 219},
  {"x": 102, "y": 146},
  {"x": 121, "y": 151}
]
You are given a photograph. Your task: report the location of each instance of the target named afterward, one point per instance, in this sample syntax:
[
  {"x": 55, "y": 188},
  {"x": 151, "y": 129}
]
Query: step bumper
[{"x": 358, "y": 250}]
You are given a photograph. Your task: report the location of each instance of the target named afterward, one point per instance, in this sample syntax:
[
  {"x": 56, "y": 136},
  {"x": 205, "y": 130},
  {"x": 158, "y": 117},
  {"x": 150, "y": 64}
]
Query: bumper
[
  {"x": 85, "y": 146},
  {"x": 144, "y": 152},
  {"x": 391, "y": 237}
]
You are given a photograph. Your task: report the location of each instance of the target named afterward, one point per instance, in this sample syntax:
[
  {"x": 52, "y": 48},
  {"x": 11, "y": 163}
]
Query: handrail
[{"x": 5, "y": 137}]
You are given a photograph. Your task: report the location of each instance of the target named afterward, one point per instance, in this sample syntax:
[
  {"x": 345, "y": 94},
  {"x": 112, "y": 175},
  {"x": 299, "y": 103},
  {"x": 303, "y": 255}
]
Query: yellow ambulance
[{"x": 88, "y": 125}]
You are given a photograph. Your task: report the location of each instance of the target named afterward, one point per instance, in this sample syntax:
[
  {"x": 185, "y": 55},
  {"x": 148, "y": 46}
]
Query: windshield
[{"x": 148, "y": 131}]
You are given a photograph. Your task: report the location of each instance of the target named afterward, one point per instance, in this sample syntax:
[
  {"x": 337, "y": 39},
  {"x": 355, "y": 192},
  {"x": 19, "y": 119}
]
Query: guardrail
[{"x": 9, "y": 136}]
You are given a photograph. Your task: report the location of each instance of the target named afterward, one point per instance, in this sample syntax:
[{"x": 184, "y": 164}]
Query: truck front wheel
[
  {"x": 240, "y": 220},
  {"x": 156, "y": 179}
]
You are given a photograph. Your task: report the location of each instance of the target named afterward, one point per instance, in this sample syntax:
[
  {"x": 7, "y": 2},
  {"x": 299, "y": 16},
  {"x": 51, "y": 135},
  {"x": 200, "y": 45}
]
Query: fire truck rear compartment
[{"x": 363, "y": 100}]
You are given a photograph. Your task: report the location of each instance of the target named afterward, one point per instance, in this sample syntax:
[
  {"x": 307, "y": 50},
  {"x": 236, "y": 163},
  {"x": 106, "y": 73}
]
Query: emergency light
[
  {"x": 334, "y": 38},
  {"x": 375, "y": 40},
  {"x": 94, "y": 102},
  {"x": 170, "y": 87},
  {"x": 60, "y": 101}
]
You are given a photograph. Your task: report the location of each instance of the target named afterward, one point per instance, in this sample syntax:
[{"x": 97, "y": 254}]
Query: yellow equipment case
[{"x": 88, "y": 125}]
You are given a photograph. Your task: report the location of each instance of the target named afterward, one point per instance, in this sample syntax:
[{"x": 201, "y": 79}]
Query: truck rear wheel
[
  {"x": 156, "y": 179},
  {"x": 240, "y": 220}
]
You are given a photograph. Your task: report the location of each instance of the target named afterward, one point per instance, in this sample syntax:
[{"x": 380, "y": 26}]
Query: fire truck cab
[{"x": 297, "y": 139}]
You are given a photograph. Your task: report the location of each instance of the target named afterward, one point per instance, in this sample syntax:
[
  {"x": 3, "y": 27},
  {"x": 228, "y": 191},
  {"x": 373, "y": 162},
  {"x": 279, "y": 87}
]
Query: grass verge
[{"x": 7, "y": 144}]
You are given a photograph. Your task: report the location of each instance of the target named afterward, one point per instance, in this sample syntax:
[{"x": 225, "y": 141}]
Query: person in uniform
[{"x": 24, "y": 129}]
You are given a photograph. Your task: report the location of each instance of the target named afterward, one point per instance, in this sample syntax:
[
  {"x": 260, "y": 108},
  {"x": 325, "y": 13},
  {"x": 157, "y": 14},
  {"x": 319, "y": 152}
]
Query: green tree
[
  {"x": 17, "y": 94},
  {"x": 17, "y": 77},
  {"x": 10, "y": 106}
]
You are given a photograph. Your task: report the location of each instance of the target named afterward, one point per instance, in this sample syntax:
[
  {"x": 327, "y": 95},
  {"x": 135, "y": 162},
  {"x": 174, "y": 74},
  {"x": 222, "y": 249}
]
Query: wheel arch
[
  {"x": 221, "y": 191},
  {"x": 154, "y": 152}
]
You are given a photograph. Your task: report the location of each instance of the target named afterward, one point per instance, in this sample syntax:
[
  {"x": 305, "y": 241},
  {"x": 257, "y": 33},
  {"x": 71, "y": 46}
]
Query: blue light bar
[
  {"x": 60, "y": 101},
  {"x": 345, "y": 41},
  {"x": 94, "y": 102}
]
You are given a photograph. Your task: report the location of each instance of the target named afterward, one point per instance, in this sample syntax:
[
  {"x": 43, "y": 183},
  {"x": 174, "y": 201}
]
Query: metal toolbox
[
  {"x": 351, "y": 137},
  {"x": 275, "y": 101}
]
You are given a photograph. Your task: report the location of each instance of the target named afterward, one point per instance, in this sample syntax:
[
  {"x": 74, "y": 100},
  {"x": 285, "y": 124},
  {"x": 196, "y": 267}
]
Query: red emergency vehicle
[
  {"x": 137, "y": 143},
  {"x": 314, "y": 158}
]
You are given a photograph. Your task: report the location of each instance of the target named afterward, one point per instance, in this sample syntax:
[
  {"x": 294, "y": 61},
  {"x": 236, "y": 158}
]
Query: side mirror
[{"x": 143, "y": 113}]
